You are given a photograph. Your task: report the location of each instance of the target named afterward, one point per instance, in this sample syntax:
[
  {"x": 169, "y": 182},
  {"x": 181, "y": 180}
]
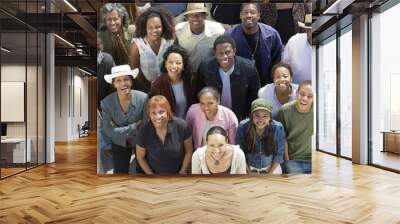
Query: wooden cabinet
[{"x": 391, "y": 141}]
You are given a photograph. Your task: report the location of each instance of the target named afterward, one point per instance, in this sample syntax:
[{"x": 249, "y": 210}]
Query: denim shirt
[{"x": 257, "y": 158}]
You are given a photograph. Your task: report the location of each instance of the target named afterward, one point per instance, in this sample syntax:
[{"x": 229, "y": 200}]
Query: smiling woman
[
  {"x": 165, "y": 142},
  {"x": 218, "y": 157},
  {"x": 282, "y": 90},
  {"x": 114, "y": 33},
  {"x": 262, "y": 138},
  {"x": 175, "y": 83},
  {"x": 122, "y": 112},
  {"x": 154, "y": 34}
]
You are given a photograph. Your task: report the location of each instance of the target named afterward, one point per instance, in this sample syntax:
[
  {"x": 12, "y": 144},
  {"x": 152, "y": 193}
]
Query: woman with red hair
[{"x": 164, "y": 142}]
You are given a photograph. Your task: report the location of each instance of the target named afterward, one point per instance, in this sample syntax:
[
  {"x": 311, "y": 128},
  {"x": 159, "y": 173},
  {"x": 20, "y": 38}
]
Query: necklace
[
  {"x": 216, "y": 162},
  {"x": 255, "y": 48}
]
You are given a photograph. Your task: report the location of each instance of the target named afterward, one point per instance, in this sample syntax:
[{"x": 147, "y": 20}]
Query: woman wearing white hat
[{"x": 122, "y": 112}]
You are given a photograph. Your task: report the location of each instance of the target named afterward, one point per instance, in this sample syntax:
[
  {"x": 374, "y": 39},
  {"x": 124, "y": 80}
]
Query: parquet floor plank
[{"x": 69, "y": 191}]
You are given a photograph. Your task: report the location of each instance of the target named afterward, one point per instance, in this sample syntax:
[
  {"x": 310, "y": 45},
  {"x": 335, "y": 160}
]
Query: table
[
  {"x": 13, "y": 150},
  {"x": 391, "y": 141}
]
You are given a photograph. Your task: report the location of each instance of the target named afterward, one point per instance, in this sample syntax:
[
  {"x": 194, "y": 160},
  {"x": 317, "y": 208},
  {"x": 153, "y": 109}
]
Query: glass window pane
[
  {"x": 31, "y": 97},
  {"x": 14, "y": 153},
  {"x": 41, "y": 98},
  {"x": 327, "y": 97},
  {"x": 346, "y": 94},
  {"x": 385, "y": 84}
]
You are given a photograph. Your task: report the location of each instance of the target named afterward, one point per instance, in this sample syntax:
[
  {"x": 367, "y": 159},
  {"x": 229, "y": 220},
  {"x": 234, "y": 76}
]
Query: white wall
[
  {"x": 71, "y": 102},
  {"x": 16, "y": 73}
]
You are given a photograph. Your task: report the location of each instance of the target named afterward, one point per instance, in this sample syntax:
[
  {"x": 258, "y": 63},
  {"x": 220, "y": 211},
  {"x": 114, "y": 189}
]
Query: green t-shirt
[{"x": 299, "y": 129}]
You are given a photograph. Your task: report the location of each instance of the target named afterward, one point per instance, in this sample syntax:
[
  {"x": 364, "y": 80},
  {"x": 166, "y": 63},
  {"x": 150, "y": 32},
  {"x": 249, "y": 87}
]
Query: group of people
[{"x": 194, "y": 98}]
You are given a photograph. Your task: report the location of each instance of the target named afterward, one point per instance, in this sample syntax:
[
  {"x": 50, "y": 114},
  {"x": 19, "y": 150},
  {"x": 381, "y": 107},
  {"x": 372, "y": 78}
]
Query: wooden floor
[
  {"x": 69, "y": 191},
  {"x": 387, "y": 159}
]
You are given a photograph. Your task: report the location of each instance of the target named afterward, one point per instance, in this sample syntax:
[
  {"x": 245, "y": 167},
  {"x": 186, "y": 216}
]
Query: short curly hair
[
  {"x": 167, "y": 22},
  {"x": 185, "y": 57},
  {"x": 109, "y": 7},
  {"x": 279, "y": 65}
]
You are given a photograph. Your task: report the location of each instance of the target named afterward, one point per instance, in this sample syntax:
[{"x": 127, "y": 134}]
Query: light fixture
[
  {"x": 5, "y": 50},
  {"x": 86, "y": 72},
  {"x": 70, "y": 5},
  {"x": 64, "y": 40},
  {"x": 337, "y": 7}
]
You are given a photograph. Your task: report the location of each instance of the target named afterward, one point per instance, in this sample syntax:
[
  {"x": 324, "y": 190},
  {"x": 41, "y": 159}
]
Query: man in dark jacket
[
  {"x": 256, "y": 41},
  {"x": 236, "y": 78}
]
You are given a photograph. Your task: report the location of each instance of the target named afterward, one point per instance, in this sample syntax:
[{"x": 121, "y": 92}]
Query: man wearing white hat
[
  {"x": 298, "y": 52},
  {"x": 197, "y": 35},
  {"x": 122, "y": 112}
]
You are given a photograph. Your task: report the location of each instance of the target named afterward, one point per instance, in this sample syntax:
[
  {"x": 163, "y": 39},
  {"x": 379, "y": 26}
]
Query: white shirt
[
  {"x": 199, "y": 164},
  {"x": 298, "y": 54},
  {"x": 188, "y": 40},
  {"x": 149, "y": 61},
  {"x": 268, "y": 92},
  {"x": 198, "y": 46}
]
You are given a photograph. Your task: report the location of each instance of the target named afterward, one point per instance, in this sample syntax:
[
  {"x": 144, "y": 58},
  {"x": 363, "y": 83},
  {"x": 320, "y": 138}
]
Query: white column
[
  {"x": 360, "y": 90},
  {"x": 50, "y": 99}
]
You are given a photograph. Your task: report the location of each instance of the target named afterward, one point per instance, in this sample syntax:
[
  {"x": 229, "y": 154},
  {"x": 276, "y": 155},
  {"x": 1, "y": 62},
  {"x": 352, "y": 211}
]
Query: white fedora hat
[
  {"x": 195, "y": 8},
  {"x": 307, "y": 22},
  {"x": 121, "y": 70}
]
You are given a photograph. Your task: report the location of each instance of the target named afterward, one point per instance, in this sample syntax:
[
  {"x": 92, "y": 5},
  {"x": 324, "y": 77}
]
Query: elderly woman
[
  {"x": 282, "y": 90},
  {"x": 175, "y": 81},
  {"x": 165, "y": 142},
  {"x": 208, "y": 113},
  {"x": 122, "y": 112},
  {"x": 113, "y": 31},
  {"x": 261, "y": 138},
  {"x": 218, "y": 157},
  {"x": 154, "y": 34}
]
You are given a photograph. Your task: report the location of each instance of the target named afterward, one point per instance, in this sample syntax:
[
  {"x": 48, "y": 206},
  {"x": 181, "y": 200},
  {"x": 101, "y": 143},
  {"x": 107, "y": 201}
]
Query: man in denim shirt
[{"x": 261, "y": 138}]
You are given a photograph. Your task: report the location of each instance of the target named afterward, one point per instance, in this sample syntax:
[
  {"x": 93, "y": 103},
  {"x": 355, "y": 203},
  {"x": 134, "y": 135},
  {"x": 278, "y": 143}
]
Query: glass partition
[
  {"x": 22, "y": 90},
  {"x": 385, "y": 89},
  {"x": 327, "y": 96}
]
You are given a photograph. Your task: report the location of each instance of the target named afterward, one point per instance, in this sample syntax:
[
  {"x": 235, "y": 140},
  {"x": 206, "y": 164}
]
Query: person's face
[
  {"x": 249, "y": 16},
  {"x": 154, "y": 28},
  {"x": 123, "y": 84},
  {"x": 113, "y": 21},
  {"x": 208, "y": 104},
  {"x": 216, "y": 144},
  {"x": 225, "y": 55},
  {"x": 282, "y": 78},
  {"x": 196, "y": 21},
  {"x": 261, "y": 119},
  {"x": 174, "y": 66},
  {"x": 158, "y": 116},
  {"x": 305, "y": 97}
]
